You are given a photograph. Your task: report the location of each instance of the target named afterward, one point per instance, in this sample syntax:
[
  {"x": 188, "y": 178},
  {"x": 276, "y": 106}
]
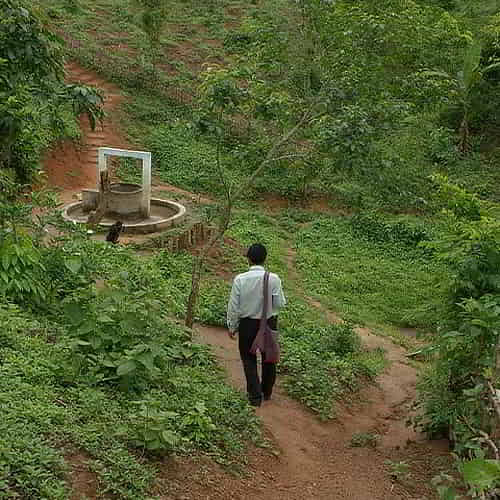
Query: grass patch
[
  {"x": 364, "y": 440},
  {"x": 55, "y": 400},
  {"x": 366, "y": 281}
]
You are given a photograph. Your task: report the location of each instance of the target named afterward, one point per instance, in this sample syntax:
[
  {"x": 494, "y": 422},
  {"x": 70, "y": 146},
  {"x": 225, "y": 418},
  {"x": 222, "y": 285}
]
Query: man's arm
[
  {"x": 233, "y": 307},
  {"x": 278, "y": 297}
]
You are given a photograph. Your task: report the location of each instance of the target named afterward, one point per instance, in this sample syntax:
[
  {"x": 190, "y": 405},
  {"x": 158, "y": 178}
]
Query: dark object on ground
[{"x": 114, "y": 232}]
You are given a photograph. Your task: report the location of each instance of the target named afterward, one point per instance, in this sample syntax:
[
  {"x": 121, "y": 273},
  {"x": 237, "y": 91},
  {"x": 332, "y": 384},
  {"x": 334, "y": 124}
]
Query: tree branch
[
  {"x": 484, "y": 437},
  {"x": 494, "y": 398},
  {"x": 270, "y": 154},
  {"x": 225, "y": 217}
]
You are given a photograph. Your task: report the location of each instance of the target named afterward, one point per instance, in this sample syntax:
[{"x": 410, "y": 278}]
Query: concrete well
[{"x": 125, "y": 199}]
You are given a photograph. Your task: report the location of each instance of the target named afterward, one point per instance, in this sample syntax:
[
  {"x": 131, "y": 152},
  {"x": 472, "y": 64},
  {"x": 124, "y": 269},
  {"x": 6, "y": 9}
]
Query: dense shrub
[
  {"x": 371, "y": 226},
  {"x": 22, "y": 273},
  {"x": 335, "y": 353},
  {"x": 455, "y": 393}
]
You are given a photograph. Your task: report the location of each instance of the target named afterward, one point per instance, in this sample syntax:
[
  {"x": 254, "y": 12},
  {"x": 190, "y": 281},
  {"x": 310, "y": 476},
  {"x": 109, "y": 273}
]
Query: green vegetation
[
  {"x": 457, "y": 394},
  {"x": 401, "y": 96},
  {"x": 36, "y": 107},
  {"x": 104, "y": 359},
  {"x": 383, "y": 112},
  {"x": 373, "y": 281},
  {"x": 363, "y": 439}
]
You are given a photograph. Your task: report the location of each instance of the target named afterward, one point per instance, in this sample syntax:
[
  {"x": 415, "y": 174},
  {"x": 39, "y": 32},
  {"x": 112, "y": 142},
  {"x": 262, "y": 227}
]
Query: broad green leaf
[
  {"x": 170, "y": 437},
  {"x": 147, "y": 360},
  {"x": 104, "y": 318},
  {"x": 5, "y": 261},
  {"x": 187, "y": 353},
  {"x": 96, "y": 342},
  {"x": 74, "y": 312},
  {"x": 471, "y": 64},
  {"x": 74, "y": 264},
  {"x": 126, "y": 368},
  {"x": 481, "y": 473},
  {"x": 86, "y": 327},
  {"x": 82, "y": 342},
  {"x": 154, "y": 445},
  {"x": 108, "y": 363}
]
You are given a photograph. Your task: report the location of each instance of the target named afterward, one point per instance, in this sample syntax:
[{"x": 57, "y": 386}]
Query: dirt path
[
  {"x": 315, "y": 459},
  {"x": 396, "y": 387},
  {"x": 71, "y": 167}
]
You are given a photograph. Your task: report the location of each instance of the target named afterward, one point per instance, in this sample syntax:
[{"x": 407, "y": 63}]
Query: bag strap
[{"x": 265, "y": 292}]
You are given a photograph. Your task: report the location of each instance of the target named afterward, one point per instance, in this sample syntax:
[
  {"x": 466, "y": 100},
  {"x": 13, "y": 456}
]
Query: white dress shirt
[{"x": 246, "y": 299}]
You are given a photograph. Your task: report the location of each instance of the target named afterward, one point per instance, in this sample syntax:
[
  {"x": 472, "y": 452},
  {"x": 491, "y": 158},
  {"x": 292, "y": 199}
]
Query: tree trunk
[
  {"x": 464, "y": 144},
  {"x": 225, "y": 217},
  {"x": 195, "y": 290},
  {"x": 102, "y": 201},
  {"x": 199, "y": 261}
]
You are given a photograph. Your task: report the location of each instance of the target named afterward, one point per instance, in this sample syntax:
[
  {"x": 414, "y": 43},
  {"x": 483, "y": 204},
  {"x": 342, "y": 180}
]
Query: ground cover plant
[
  {"x": 93, "y": 353},
  {"x": 371, "y": 271},
  {"x": 95, "y": 361}
]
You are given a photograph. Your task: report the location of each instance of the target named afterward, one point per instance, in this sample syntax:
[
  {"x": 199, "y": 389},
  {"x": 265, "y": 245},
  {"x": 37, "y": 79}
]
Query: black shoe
[
  {"x": 255, "y": 403},
  {"x": 266, "y": 398}
]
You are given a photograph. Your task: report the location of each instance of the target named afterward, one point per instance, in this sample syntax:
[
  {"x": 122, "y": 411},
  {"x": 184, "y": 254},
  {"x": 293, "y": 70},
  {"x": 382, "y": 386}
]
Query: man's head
[{"x": 257, "y": 254}]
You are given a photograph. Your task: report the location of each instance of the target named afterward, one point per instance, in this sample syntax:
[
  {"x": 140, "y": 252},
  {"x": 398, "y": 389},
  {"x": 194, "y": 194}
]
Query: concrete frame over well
[{"x": 103, "y": 153}]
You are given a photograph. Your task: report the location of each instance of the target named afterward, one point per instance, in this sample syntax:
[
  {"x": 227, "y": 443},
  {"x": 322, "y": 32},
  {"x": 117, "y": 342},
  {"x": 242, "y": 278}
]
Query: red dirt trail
[
  {"x": 313, "y": 459},
  {"x": 71, "y": 167}
]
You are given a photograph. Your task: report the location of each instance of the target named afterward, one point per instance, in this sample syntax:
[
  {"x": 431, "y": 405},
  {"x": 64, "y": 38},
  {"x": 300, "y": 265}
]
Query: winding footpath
[{"x": 310, "y": 459}]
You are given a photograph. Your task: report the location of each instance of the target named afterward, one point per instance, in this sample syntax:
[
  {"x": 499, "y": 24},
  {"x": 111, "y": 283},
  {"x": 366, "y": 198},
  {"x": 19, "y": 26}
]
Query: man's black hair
[{"x": 257, "y": 254}]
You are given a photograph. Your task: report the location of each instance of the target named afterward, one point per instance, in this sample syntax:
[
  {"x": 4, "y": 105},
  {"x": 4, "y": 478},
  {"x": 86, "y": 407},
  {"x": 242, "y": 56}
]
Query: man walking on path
[{"x": 244, "y": 311}]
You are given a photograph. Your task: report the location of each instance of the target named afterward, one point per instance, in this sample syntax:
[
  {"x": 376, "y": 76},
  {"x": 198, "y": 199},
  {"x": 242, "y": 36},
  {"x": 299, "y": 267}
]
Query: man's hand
[{"x": 232, "y": 335}]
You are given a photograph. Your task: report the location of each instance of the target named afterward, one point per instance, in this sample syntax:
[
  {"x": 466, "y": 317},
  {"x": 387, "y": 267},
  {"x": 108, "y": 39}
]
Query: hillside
[{"x": 372, "y": 128}]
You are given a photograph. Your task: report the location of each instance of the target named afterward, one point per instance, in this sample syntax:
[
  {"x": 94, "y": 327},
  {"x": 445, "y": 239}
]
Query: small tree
[
  {"x": 466, "y": 82},
  {"x": 32, "y": 88},
  {"x": 153, "y": 19},
  {"x": 223, "y": 99}
]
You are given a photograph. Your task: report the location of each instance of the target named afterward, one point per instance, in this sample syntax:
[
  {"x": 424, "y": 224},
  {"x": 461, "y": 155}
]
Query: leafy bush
[
  {"x": 123, "y": 337},
  {"x": 333, "y": 351},
  {"x": 36, "y": 107},
  {"x": 453, "y": 393},
  {"x": 22, "y": 273},
  {"x": 373, "y": 227},
  {"x": 470, "y": 247}
]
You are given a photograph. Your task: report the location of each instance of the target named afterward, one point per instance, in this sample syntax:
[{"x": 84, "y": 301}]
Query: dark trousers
[{"x": 247, "y": 332}]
